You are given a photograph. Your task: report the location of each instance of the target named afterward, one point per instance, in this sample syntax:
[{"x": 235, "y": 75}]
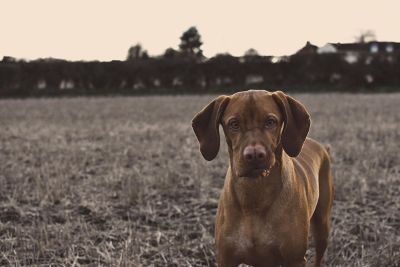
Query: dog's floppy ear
[
  {"x": 206, "y": 126},
  {"x": 297, "y": 123}
]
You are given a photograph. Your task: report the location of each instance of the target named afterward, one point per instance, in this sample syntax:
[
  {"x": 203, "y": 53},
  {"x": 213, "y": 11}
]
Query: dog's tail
[{"x": 328, "y": 149}]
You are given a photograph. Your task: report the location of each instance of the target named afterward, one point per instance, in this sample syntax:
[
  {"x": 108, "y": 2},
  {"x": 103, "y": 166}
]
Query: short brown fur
[{"x": 264, "y": 220}]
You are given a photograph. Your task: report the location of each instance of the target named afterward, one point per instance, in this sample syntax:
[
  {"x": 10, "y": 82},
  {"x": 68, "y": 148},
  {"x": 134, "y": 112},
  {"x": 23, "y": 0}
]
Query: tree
[
  {"x": 365, "y": 36},
  {"x": 251, "y": 53},
  {"x": 170, "y": 53},
  {"x": 137, "y": 52},
  {"x": 191, "y": 43},
  {"x": 252, "y": 56},
  {"x": 223, "y": 57}
]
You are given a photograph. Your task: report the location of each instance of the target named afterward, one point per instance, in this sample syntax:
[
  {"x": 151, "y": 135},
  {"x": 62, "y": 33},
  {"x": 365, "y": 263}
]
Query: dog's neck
[{"x": 257, "y": 194}]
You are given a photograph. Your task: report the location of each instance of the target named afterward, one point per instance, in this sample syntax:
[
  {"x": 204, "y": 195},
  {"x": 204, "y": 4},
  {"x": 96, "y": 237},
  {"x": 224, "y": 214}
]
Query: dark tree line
[{"x": 187, "y": 71}]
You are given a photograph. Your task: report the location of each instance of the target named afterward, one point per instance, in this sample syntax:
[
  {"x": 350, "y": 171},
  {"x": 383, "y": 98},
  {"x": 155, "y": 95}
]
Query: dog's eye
[
  {"x": 270, "y": 123},
  {"x": 234, "y": 124}
]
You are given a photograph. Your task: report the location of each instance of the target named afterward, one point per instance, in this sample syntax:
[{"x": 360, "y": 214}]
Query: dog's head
[{"x": 257, "y": 124}]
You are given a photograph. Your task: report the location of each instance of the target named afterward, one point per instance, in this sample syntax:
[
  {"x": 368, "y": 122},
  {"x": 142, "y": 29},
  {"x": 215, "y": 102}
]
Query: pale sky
[{"x": 104, "y": 30}]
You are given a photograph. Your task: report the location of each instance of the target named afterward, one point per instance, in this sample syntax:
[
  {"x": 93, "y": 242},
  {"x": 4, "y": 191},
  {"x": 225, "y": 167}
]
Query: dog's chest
[{"x": 253, "y": 239}]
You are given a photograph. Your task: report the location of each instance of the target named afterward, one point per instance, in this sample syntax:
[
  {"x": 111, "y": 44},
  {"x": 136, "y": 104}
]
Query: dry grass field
[{"x": 120, "y": 182}]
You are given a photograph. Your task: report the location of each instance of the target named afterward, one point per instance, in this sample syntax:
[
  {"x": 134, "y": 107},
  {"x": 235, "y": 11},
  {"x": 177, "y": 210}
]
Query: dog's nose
[{"x": 255, "y": 153}]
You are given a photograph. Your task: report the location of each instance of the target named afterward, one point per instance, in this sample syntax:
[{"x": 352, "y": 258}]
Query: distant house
[
  {"x": 352, "y": 51},
  {"x": 254, "y": 79},
  {"x": 327, "y": 49},
  {"x": 41, "y": 84},
  {"x": 309, "y": 48},
  {"x": 369, "y": 47},
  {"x": 66, "y": 84}
]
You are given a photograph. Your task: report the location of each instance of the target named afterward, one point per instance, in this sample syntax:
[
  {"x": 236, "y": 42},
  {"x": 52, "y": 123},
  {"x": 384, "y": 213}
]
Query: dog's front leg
[
  {"x": 226, "y": 259},
  {"x": 300, "y": 263},
  {"x": 226, "y": 262}
]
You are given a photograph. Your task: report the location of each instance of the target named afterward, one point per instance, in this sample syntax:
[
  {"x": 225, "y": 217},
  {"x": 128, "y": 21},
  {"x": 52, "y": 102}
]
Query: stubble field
[{"x": 120, "y": 182}]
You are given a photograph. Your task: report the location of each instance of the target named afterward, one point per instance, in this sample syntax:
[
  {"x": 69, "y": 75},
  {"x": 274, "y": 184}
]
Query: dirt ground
[{"x": 120, "y": 182}]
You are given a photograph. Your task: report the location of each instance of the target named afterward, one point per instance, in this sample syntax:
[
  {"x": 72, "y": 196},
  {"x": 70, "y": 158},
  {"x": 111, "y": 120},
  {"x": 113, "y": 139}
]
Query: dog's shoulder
[
  {"x": 313, "y": 145},
  {"x": 314, "y": 149}
]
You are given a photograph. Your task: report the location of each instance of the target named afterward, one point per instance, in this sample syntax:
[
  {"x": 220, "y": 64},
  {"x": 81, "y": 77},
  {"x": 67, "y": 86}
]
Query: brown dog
[{"x": 275, "y": 186}]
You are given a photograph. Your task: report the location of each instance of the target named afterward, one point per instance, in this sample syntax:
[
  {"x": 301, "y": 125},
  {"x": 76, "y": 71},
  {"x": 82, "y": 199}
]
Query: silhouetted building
[
  {"x": 309, "y": 48},
  {"x": 370, "y": 47},
  {"x": 352, "y": 51}
]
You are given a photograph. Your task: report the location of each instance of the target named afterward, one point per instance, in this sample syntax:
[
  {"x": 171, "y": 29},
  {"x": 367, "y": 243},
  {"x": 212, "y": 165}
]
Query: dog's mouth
[{"x": 256, "y": 172}]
